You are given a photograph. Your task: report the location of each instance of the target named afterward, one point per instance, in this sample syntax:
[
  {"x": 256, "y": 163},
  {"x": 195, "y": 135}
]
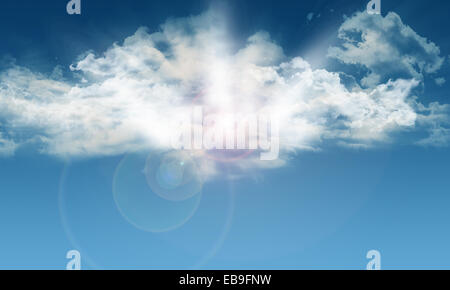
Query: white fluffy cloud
[
  {"x": 386, "y": 47},
  {"x": 130, "y": 95}
]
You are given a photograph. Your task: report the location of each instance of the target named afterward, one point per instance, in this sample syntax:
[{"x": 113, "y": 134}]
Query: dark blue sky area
[{"x": 38, "y": 32}]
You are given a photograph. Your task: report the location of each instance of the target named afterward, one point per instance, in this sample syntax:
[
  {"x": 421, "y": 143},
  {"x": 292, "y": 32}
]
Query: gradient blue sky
[{"x": 322, "y": 210}]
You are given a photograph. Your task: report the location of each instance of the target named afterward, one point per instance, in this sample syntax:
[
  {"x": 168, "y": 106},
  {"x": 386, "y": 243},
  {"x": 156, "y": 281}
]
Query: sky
[{"x": 89, "y": 105}]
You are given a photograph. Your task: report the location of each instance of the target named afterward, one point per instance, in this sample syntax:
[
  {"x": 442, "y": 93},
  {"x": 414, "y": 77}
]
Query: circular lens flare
[
  {"x": 169, "y": 176},
  {"x": 157, "y": 193},
  {"x": 173, "y": 176}
]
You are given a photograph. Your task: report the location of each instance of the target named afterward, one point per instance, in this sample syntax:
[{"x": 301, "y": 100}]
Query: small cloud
[
  {"x": 7, "y": 147},
  {"x": 439, "y": 81},
  {"x": 57, "y": 73},
  {"x": 439, "y": 137},
  {"x": 310, "y": 16},
  {"x": 435, "y": 119}
]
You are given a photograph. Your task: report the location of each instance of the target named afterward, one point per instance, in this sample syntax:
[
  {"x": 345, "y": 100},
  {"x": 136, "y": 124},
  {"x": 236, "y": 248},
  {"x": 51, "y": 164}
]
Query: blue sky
[{"x": 363, "y": 163}]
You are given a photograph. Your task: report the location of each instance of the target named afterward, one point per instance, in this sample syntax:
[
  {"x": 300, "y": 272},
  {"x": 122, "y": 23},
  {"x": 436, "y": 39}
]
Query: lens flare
[
  {"x": 174, "y": 176},
  {"x": 158, "y": 192}
]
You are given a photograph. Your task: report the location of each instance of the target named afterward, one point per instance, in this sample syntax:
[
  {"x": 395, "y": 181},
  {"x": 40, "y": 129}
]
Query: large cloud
[{"x": 129, "y": 96}]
